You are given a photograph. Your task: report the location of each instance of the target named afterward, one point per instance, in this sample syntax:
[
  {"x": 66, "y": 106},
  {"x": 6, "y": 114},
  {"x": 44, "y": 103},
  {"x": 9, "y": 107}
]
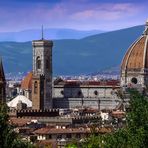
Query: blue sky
[{"x": 16, "y": 15}]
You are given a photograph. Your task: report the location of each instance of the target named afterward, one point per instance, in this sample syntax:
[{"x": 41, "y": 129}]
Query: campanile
[{"x": 42, "y": 74}]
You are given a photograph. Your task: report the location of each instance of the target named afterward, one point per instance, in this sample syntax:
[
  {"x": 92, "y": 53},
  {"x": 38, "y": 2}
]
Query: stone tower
[
  {"x": 134, "y": 67},
  {"x": 2, "y": 84},
  {"x": 42, "y": 74}
]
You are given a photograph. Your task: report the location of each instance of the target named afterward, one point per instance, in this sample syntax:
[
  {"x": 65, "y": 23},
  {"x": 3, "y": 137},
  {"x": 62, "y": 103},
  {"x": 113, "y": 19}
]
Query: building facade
[
  {"x": 88, "y": 94},
  {"x": 42, "y": 74}
]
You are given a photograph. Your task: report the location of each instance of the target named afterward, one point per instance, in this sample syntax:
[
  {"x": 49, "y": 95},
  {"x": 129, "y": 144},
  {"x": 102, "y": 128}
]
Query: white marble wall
[
  {"x": 105, "y": 99},
  {"x": 86, "y": 92}
]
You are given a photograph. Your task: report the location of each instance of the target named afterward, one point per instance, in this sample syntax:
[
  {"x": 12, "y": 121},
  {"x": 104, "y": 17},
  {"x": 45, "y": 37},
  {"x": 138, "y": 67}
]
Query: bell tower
[
  {"x": 42, "y": 74},
  {"x": 2, "y": 84}
]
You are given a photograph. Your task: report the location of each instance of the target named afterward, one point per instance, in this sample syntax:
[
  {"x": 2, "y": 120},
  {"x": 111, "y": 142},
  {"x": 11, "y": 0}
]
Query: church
[
  {"x": 134, "y": 67},
  {"x": 46, "y": 94},
  {"x": 71, "y": 94}
]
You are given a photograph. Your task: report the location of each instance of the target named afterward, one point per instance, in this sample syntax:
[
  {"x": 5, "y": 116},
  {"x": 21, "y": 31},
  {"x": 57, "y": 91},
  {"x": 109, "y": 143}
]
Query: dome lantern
[{"x": 146, "y": 28}]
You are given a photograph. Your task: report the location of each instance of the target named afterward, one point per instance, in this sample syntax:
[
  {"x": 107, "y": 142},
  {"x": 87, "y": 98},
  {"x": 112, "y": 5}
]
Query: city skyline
[{"x": 75, "y": 14}]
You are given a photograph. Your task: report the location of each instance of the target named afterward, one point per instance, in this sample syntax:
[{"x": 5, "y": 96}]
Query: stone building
[
  {"x": 134, "y": 67},
  {"x": 42, "y": 74},
  {"x": 86, "y": 94},
  {"x": 2, "y": 84},
  {"x": 65, "y": 135}
]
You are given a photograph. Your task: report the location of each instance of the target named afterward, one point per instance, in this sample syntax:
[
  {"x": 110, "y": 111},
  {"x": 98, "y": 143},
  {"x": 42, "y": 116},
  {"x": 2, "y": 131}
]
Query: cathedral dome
[
  {"x": 134, "y": 66},
  {"x": 20, "y": 98},
  {"x": 27, "y": 82},
  {"x": 136, "y": 56}
]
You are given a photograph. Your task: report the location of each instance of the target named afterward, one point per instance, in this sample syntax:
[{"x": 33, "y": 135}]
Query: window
[
  {"x": 68, "y": 136},
  {"x": 35, "y": 87},
  {"x": 79, "y": 93},
  {"x": 78, "y": 136},
  {"x": 62, "y": 92},
  {"x": 59, "y": 136},
  {"x": 38, "y": 63},
  {"x": 96, "y": 92},
  {"x": 47, "y": 64},
  {"x": 134, "y": 80},
  {"x": 49, "y": 136}
]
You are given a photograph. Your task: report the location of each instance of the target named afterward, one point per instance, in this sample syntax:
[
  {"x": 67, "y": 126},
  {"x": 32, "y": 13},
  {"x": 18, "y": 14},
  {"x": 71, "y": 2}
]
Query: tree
[
  {"x": 7, "y": 135},
  {"x": 134, "y": 135},
  {"x": 8, "y": 138},
  {"x": 137, "y": 118}
]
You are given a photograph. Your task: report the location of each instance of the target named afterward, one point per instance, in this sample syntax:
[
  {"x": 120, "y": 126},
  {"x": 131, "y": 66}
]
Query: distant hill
[
  {"x": 33, "y": 34},
  {"x": 73, "y": 56}
]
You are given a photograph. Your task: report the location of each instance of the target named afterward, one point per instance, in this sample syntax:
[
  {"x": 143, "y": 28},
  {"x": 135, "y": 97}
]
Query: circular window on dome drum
[
  {"x": 134, "y": 80},
  {"x": 62, "y": 92},
  {"x": 96, "y": 92}
]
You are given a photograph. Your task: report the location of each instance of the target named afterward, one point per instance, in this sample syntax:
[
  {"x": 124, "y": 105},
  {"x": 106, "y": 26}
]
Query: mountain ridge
[
  {"x": 51, "y": 33},
  {"x": 74, "y": 56}
]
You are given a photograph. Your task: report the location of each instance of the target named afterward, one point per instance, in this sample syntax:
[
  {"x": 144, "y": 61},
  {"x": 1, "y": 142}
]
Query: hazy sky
[{"x": 16, "y": 15}]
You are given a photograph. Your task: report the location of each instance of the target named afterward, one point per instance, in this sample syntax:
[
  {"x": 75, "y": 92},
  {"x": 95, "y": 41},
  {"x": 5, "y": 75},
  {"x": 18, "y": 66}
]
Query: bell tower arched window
[
  {"x": 38, "y": 63},
  {"x": 47, "y": 64},
  {"x": 35, "y": 87}
]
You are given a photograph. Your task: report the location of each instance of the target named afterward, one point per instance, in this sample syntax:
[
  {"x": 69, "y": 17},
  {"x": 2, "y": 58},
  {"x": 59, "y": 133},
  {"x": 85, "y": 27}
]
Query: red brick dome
[
  {"x": 137, "y": 55},
  {"x": 27, "y": 82}
]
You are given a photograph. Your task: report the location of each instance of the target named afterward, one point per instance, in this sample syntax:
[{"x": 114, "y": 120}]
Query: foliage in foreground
[
  {"x": 9, "y": 138},
  {"x": 135, "y": 135}
]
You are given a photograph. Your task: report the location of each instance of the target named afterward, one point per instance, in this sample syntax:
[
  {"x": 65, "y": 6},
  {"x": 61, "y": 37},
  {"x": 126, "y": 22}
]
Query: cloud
[
  {"x": 106, "y": 12},
  {"x": 84, "y": 14}
]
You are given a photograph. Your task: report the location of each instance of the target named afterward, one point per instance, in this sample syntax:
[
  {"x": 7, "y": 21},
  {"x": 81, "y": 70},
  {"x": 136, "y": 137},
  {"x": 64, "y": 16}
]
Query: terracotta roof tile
[
  {"x": 58, "y": 131},
  {"x": 134, "y": 58},
  {"x": 27, "y": 82},
  {"x": 19, "y": 121},
  {"x": 69, "y": 130}
]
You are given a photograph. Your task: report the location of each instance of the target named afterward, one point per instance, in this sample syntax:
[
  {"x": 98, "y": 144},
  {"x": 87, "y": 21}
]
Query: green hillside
[{"x": 72, "y": 57}]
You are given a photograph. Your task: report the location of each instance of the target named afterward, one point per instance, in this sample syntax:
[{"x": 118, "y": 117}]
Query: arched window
[
  {"x": 35, "y": 87},
  {"x": 47, "y": 64},
  {"x": 38, "y": 63},
  {"x": 62, "y": 92},
  {"x": 79, "y": 93}
]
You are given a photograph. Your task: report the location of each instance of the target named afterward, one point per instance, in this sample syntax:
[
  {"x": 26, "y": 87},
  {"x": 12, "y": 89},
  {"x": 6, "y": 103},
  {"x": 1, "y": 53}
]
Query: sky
[{"x": 106, "y": 15}]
